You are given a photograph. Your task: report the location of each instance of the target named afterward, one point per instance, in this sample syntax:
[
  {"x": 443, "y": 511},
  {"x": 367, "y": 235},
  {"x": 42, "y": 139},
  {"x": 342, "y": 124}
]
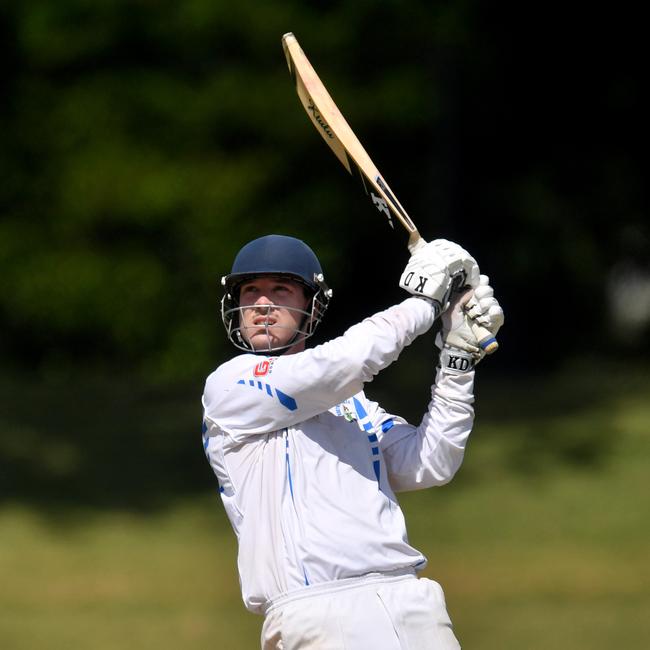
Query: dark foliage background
[{"x": 144, "y": 142}]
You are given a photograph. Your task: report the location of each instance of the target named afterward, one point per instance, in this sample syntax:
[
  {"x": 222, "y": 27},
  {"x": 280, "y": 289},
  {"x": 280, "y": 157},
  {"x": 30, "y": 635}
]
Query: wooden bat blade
[{"x": 335, "y": 130}]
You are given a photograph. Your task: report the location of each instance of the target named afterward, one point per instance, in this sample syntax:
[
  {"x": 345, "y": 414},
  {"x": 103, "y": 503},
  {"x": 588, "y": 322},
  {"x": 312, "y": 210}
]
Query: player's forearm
[
  {"x": 372, "y": 345},
  {"x": 332, "y": 372},
  {"x": 451, "y": 410},
  {"x": 430, "y": 454}
]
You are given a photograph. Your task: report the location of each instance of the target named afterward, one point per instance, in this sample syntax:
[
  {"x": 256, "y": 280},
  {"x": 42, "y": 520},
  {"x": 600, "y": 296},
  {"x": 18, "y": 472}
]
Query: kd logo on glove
[
  {"x": 422, "y": 281},
  {"x": 459, "y": 364}
]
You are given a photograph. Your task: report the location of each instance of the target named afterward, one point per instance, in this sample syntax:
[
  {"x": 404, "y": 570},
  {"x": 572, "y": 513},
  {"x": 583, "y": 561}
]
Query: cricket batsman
[{"x": 309, "y": 467}]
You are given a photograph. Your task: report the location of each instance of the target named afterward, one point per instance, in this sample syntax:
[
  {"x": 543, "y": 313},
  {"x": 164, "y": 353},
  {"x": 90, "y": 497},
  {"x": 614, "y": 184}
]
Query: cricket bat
[{"x": 335, "y": 130}]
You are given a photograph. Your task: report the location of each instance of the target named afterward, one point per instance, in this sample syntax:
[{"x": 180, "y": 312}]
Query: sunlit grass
[
  {"x": 121, "y": 581},
  {"x": 559, "y": 559},
  {"x": 551, "y": 554}
]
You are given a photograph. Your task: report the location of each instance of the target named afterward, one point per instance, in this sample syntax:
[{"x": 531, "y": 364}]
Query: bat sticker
[
  {"x": 382, "y": 206},
  {"x": 318, "y": 118}
]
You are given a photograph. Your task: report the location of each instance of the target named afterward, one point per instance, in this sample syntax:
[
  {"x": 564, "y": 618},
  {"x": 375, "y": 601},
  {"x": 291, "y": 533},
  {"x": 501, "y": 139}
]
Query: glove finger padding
[
  {"x": 431, "y": 270},
  {"x": 459, "y": 262},
  {"x": 484, "y": 308},
  {"x": 460, "y": 350}
]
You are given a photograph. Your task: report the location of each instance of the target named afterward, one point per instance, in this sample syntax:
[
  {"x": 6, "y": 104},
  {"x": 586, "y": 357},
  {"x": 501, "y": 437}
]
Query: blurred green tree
[{"x": 143, "y": 143}]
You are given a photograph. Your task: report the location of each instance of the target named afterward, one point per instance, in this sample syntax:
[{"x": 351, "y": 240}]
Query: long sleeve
[
  {"x": 252, "y": 394},
  {"x": 431, "y": 453}
]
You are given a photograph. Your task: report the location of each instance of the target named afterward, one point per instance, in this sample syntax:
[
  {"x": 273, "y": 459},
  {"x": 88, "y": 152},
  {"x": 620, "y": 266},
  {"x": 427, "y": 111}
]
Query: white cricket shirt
[{"x": 308, "y": 466}]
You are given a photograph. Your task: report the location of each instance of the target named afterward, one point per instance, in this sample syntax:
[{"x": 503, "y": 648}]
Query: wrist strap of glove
[
  {"x": 455, "y": 361},
  {"x": 435, "y": 306}
]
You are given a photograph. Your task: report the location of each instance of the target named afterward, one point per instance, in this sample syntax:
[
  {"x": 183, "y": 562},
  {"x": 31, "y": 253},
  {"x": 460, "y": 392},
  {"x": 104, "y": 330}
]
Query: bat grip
[
  {"x": 415, "y": 242},
  {"x": 486, "y": 340}
]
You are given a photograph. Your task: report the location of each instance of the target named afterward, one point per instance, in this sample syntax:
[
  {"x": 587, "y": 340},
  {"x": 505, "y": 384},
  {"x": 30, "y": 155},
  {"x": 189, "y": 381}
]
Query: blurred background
[{"x": 144, "y": 142}]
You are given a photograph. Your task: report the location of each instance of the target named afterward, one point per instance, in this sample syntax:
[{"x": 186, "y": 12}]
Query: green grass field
[{"x": 538, "y": 543}]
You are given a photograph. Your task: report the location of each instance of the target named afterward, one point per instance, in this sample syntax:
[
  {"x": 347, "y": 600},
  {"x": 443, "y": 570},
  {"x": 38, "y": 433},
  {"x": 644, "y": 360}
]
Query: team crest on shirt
[
  {"x": 344, "y": 410},
  {"x": 348, "y": 414}
]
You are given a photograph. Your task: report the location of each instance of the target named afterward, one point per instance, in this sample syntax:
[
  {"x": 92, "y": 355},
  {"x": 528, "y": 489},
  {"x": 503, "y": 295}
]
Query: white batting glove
[
  {"x": 437, "y": 267},
  {"x": 459, "y": 346}
]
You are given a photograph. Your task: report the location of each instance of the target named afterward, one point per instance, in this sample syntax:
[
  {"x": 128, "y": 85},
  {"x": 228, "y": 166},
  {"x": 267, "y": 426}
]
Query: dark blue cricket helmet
[
  {"x": 276, "y": 255},
  {"x": 282, "y": 256}
]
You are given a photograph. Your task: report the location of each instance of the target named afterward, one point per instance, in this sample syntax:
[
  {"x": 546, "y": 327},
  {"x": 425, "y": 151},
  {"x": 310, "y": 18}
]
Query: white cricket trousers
[{"x": 374, "y": 612}]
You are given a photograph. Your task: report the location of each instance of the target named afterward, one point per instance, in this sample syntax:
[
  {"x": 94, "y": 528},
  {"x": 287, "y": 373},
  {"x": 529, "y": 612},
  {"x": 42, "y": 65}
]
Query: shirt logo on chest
[{"x": 261, "y": 369}]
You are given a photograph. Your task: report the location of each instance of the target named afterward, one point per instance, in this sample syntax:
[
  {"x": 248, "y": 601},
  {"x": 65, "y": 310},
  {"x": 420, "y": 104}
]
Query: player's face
[{"x": 273, "y": 311}]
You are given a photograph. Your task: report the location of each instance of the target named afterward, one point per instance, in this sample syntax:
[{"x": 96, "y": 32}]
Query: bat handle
[
  {"x": 415, "y": 242},
  {"x": 486, "y": 340}
]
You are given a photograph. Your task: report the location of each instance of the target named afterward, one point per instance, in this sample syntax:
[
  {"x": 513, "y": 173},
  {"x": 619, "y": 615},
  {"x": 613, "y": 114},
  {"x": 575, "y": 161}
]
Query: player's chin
[{"x": 261, "y": 341}]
